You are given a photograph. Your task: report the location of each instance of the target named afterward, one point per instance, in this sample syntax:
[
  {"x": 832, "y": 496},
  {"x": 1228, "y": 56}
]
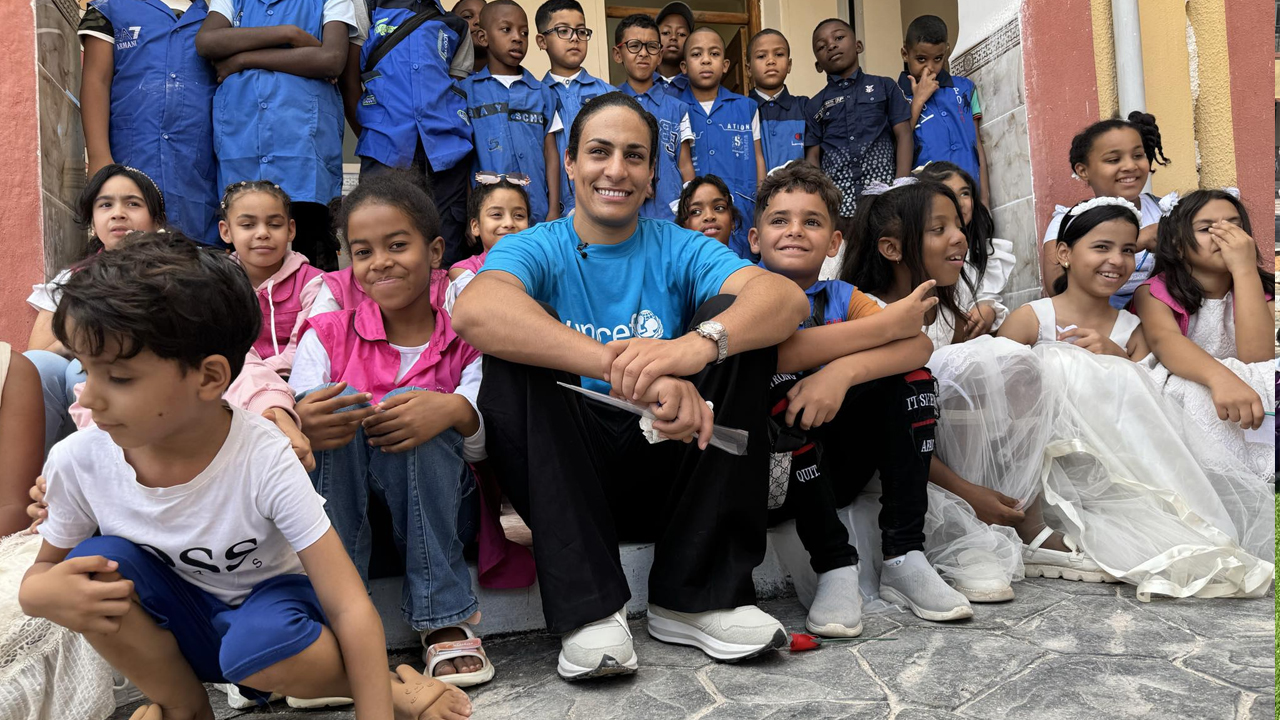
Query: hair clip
[
  {"x": 1168, "y": 203},
  {"x": 1103, "y": 202},
  {"x": 875, "y": 187},
  {"x": 920, "y": 169},
  {"x": 488, "y": 177},
  {"x": 1232, "y": 191}
]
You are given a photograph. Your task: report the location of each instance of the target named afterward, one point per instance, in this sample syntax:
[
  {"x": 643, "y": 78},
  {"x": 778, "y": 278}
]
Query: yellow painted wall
[
  {"x": 1213, "y": 123},
  {"x": 1104, "y": 58},
  {"x": 948, "y": 10},
  {"x": 881, "y": 36},
  {"x": 1167, "y": 76}
]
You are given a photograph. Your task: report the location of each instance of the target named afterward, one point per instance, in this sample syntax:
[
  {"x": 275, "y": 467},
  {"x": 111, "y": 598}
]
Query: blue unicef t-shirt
[{"x": 648, "y": 285}]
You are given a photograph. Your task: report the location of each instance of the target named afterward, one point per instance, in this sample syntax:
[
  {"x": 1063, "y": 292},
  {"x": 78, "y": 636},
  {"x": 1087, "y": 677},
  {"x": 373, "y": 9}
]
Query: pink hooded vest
[
  {"x": 283, "y": 304},
  {"x": 360, "y": 355}
]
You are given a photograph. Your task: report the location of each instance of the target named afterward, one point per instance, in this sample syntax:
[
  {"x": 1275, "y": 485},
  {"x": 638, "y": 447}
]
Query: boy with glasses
[
  {"x": 563, "y": 35},
  {"x": 638, "y": 47}
]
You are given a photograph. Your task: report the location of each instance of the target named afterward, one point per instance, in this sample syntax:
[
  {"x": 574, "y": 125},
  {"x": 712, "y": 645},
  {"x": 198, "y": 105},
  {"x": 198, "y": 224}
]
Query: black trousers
[
  {"x": 449, "y": 190},
  {"x": 315, "y": 237},
  {"x": 886, "y": 426},
  {"x": 583, "y": 478}
]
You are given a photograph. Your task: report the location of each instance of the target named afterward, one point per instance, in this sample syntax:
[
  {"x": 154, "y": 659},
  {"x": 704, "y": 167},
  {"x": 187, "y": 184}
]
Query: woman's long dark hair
[
  {"x": 1075, "y": 227},
  {"x": 901, "y": 213},
  {"x": 84, "y": 205},
  {"x": 1176, "y": 239},
  {"x": 981, "y": 226}
]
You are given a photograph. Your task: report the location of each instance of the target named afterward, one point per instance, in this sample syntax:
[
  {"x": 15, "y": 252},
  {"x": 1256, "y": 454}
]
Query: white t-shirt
[
  {"x": 563, "y": 79},
  {"x": 311, "y": 369},
  {"x": 45, "y": 296},
  {"x": 706, "y": 108},
  {"x": 324, "y": 302},
  {"x": 241, "y": 521},
  {"x": 343, "y": 11}
]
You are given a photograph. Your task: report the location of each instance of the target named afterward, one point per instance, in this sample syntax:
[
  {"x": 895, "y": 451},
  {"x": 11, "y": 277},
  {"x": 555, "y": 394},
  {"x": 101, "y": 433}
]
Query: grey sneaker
[
  {"x": 598, "y": 649},
  {"x": 726, "y": 635},
  {"x": 836, "y": 610},
  {"x": 915, "y": 584},
  {"x": 980, "y": 577}
]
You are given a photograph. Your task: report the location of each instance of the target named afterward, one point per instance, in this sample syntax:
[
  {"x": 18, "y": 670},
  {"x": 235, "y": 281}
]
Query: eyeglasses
[
  {"x": 564, "y": 32},
  {"x": 635, "y": 46},
  {"x": 488, "y": 177}
]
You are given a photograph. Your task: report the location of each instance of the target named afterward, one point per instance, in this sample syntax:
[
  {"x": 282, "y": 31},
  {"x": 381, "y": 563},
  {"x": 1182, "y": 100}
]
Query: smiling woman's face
[{"x": 612, "y": 170}]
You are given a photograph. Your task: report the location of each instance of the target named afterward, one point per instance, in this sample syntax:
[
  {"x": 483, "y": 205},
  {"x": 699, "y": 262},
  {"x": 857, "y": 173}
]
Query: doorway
[{"x": 736, "y": 21}]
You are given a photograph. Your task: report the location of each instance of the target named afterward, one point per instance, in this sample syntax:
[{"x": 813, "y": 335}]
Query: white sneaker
[
  {"x": 912, "y": 581},
  {"x": 727, "y": 635},
  {"x": 124, "y": 690},
  {"x": 307, "y": 703},
  {"x": 1043, "y": 562},
  {"x": 598, "y": 649},
  {"x": 240, "y": 702},
  {"x": 980, "y": 578}
]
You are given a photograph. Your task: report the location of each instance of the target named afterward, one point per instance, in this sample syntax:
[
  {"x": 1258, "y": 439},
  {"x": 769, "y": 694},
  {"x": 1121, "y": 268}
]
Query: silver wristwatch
[{"x": 716, "y": 333}]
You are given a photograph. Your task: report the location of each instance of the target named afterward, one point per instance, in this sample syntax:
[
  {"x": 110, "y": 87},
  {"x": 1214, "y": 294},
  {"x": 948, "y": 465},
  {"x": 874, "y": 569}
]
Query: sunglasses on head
[{"x": 487, "y": 177}]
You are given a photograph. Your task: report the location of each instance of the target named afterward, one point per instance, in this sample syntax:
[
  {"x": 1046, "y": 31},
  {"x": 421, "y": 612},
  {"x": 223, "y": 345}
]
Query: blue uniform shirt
[
  {"x": 670, "y": 113},
  {"x": 648, "y": 285},
  {"x": 510, "y": 126},
  {"x": 781, "y": 127},
  {"x": 946, "y": 129},
  {"x": 276, "y": 126},
  {"x": 676, "y": 86},
  {"x": 409, "y": 96},
  {"x": 162, "y": 108},
  {"x": 852, "y": 120},
  {"x": 723, "y": 145},
  {"x": 570, "y": 98}
]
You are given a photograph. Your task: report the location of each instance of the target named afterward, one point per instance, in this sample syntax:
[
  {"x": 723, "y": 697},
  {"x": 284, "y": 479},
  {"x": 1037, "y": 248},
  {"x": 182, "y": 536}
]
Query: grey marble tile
[
  {"x": 1000, "y": 84},
  {"x": 1245, "y": 661},
  {"x": 1015, "y": 222},
  {"x": 64, "y": 241},
  {"x": 57, "y": 47},
  {"x": 1103, "y": 626},
  {"x": 1008, "y": 157},
  {"x": 62, "y": 159}
]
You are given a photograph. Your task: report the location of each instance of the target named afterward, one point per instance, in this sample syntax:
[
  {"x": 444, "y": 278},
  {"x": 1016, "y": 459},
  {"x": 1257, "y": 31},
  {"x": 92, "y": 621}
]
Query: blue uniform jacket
[
  {"x": 669, "y": 112},
  {"x": 510, "y": 126},
  {"x": 946, "y": 130},
  {"x": 162, "y": 108},
  {"x": 275, "y": 126},
  {"x": 409, "y": 96},
  {"x": 723, "y": 145},
  {"x": 570, "y": 99},
  {"x": 781, "y": 127}
]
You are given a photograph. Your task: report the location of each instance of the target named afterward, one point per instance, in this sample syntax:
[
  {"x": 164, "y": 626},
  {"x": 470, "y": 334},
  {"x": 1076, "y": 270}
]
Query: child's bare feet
[
  {"x": 461, "y": 664},
  {"x": 417, "y": 697}
]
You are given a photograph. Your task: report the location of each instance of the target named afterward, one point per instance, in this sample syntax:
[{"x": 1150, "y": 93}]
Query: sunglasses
[{"x": 488, "y": 177}]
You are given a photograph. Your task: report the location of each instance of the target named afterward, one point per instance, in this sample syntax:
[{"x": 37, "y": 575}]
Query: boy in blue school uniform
[
  {"x": 637, "y": 47},
  {"x": 858, "y": 128},
  {"x": 563, "y": 35},
  {"x": 277, "y": 115},
  {"x": 513, "y": 116},
  {"x": 726, "y": 128},
  {"x": 781, "y": 113},
  {"x": 146, "y": 101},
  {"x": 945, "y": 110},
  {"x": 675, "y": 23},
  {"x": 408, "y": 111}
]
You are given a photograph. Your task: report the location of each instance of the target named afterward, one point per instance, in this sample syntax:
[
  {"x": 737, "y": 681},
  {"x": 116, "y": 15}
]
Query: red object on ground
[{"x": 800, "y": 642}]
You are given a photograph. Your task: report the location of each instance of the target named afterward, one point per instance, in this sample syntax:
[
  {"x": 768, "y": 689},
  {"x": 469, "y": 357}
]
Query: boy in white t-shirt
[{"x": 216, "y": 561}]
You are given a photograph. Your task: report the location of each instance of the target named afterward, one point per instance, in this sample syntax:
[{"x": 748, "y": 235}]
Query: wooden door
[{"x": 736, "y": 77}]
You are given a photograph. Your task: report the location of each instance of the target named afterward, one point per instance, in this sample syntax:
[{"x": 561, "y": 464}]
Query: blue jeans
[
  {"x": 58, "y": 377},
  {"x": 431, "y": 494}
]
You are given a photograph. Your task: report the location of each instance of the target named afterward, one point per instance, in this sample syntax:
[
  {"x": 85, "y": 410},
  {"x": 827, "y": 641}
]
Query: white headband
[
  {"x": 1170, "y": 201},
  {"x": 1103, "y": 202},
  {"x": 875, "y": 187}
]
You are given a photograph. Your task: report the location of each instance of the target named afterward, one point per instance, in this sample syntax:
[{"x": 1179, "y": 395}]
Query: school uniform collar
[
  {"x": 783, "y": 98},
  {"x": 904, "y": 81},
  {"x": 722, "y": 96},
  {"x": 582, "y": 77},
  {"x": 369, "y": 327},
  {"x": 526, "y": 77},
  {"x": 852, "y": 79},
  {"x": 171, "y": 14}
]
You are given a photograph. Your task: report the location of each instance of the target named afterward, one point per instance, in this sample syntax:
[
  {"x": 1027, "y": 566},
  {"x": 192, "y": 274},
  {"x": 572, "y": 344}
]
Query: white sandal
[
  {"x": 1038, "y": 561},
  {"x": 437, "y": 653}
]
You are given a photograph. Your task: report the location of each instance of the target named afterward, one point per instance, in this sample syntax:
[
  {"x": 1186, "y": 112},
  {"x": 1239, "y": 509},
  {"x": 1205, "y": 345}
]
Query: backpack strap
[{"x": 402, "y": 31}]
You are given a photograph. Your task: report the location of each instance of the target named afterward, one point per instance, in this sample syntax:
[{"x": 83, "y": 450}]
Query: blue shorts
[{"x": 280, "y": 618}]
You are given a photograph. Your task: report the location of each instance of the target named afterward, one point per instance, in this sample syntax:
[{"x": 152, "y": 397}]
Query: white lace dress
[
  {"x": 1213, "y": 329},
  {"x": 46, "y": 671}
]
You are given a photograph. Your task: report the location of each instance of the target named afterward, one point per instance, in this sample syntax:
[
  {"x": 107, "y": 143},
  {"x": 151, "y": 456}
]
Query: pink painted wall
[
  {"x": 1062, "y": 96},
  {"x": 21, "y": 240},
  {"x": 1251, "y": 67}
]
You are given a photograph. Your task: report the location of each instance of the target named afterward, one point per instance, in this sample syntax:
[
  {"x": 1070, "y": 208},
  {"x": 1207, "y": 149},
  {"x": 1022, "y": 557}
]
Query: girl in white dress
[{"x": 1208, "y": 313}]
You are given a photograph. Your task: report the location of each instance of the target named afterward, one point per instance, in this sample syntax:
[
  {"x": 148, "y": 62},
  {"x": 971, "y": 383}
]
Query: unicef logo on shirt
[{"x": 646, "y": 325}]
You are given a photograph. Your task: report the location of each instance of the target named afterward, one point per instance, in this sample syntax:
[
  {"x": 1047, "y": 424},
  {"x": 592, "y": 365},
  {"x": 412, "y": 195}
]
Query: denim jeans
[
  {"x": 58, "y": 377},
  {"x": 431, "y": 494}
]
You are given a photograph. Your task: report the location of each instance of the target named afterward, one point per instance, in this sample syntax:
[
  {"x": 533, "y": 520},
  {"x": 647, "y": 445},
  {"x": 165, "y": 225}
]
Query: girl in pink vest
[
  {"x": 387, "y": 399},
  {"x": 1207, "y": 313},
  {"x": 256, "y": 222},
  {"x": 498, "y": 206}
]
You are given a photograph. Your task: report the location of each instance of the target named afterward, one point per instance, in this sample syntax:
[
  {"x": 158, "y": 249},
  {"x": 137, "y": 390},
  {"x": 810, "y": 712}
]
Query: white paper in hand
[{"x": 730, "y": 440}]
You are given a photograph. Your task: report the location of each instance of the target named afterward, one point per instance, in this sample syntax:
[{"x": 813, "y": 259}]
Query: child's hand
[
  {"x": 1236, "y": 401},
  {"x": 38, "y": 510},
  {"x": 992, "y": 507},
  {"x": 1092, "y": 341},
  {"x": 323, "y": 424},
  {"x": 816, "y": 399},
  {"x": 301, "y": 446},
  {"x": 405, "y": 421},
  {"x": 227, "y": 67},
  {"x": 923, "y": 89},
  {"x": 1147, "y": 237},
  {"x": 910, "y": 311},
  {"x": 981, "y": 318},
  {"x": 1238, "y": 249},
  {"x": 67, "y": 594}
]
